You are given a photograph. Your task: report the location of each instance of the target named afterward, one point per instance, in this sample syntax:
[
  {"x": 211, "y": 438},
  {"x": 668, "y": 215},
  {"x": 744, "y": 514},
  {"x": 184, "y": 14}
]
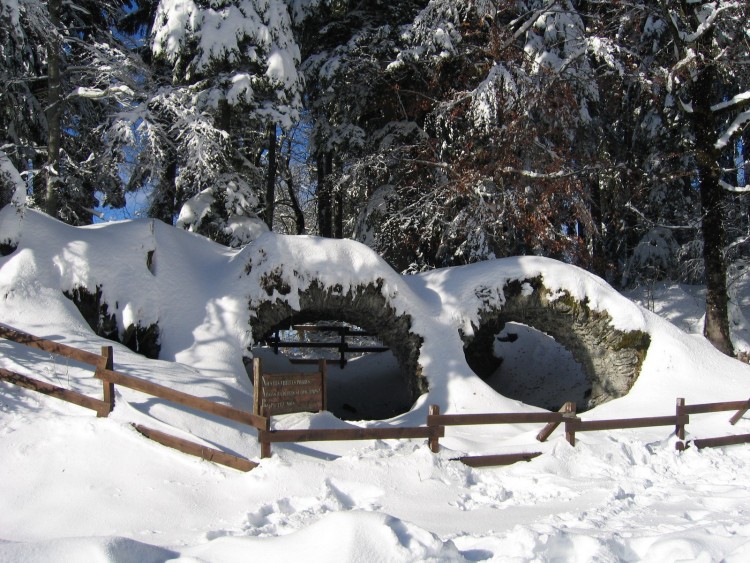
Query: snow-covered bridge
[{"x": 209, "y": 305}]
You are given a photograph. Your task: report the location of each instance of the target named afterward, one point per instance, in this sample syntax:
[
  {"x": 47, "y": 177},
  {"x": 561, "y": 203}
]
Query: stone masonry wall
[
  {"x": 363, "y": 306},
  {"x": 611, "y": 358}
]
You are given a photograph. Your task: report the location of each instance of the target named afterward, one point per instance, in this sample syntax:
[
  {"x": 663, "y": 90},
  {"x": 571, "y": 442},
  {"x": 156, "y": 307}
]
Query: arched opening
[
  {"x": 537, "y": 370},
  {"x": 566, "y": 329},
  {"x": 374, "y": 386},
  {"x": 364, "y": 380}
]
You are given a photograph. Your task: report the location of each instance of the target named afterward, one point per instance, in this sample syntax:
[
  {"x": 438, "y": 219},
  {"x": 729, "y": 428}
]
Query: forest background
[{"x": 607, "y": 134}]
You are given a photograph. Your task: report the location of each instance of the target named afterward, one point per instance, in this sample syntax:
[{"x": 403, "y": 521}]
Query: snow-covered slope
[{"x": 74, "y": 487}]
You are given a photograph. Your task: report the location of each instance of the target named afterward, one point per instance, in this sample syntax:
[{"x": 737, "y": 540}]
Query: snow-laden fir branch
[
  {"x": 739, "y": 241},
  {"x": 734, "y": 189},
  {"x": 733, "y": 129},
  {"x": 705, "y": 25},
  {"x": 689, "y": 57},
  {"x": 527, "y": 24},
  {"x": 546, "y": 175},
  {"x": 651, "y": 223},
  {"x": 740, "y": 100},
  {"x": 99, "y": 94}
]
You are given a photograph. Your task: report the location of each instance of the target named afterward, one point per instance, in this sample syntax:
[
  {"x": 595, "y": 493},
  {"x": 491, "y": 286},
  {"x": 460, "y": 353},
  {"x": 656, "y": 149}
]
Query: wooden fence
[
  {"x": 105, "y": 373},
  {"x": 432, "y": 432},
  {"x": 741, "y": 407},
  {"x": 551, "y": 419},
  {"x": 101, "y": 362}
]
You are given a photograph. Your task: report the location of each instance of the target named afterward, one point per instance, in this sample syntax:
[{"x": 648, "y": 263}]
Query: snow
[
  {"x": 12, "y": 12},
  {"x": 282, "y": 68},
  {"x": 239, "y": 34},
  {"x": 75, "y": 487}
]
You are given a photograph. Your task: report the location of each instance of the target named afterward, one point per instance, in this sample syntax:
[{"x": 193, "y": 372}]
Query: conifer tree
[{"x": 233, "y": 79}]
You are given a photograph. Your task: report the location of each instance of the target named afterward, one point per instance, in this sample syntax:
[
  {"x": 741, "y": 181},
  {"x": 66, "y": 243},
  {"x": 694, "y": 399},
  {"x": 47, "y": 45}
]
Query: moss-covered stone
[
  {"x": 363, "y": 306},
  {"x": 610, "y": 358},
  {"x": 140, "y": 339},
  {"x": 273, "y": 282},
  {"x": 7, "y": 248}
]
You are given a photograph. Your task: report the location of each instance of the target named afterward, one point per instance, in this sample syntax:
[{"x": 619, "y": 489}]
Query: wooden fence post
[
  {"x": 570, "y": 429},
  {"x": 265, "y": 444},
  {"x": 108, "y": 388},
  {"x": 680, "y": 410},
  {"x": 322, "y": 368},
  {"x": 257, "y": 375},
  {"x": 434, "y": 439},
  {"x": 739, "y": 414},
  {"x": 568, "y": 409}
]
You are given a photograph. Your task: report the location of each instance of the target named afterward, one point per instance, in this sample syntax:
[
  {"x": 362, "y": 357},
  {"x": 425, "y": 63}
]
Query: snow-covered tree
[
  {"x": 709, "y": 97},
  {"x": 486, "y": 101},
  {"x": 349, "y": 95},
  {"x": 12, "y": 186},
  {"x": 23, "y": 37},
  {"x": 233, "y": 78},
  {"x": 65, "y": 71},
  {"x": 678, "y": 110}
]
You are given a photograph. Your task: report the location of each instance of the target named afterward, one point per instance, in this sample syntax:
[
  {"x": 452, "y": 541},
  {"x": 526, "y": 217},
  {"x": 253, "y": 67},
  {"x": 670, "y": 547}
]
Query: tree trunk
[
  {"x": 716, "y": 328},
  {"x": 224, "y": 115},
  {"x": 339, "y": 214},
  {"x": 325, "y": 203},
  {"x": 164, "y": 203},
  {"x": 299, "y": 215},
  {"x": 598, "y": 260},
  {"x": 53, "y": 111},
  {"x": 271, "y": 177}
]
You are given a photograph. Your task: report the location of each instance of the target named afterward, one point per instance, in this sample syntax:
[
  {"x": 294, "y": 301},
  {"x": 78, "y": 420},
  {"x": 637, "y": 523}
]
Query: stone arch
[
  {"x": 363, "y": 306},
  {"x": 611, "y": 358}
]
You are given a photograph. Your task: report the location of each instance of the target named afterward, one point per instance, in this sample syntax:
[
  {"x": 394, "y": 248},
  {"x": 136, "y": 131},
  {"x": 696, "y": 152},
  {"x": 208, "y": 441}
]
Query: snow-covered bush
[{"x": 654, "y": 258}]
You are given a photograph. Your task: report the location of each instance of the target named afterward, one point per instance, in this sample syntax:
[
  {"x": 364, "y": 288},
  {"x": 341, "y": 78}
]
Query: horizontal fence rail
[
  {"x": 101, "y": 407},
  {"x": 339, "y": 434},
  {"x": 191, "y": 448},
  {"x": 573, "y": 425},
  {"x": 172, "y": 395},
  {"x": 496, "y": 418},
  {"x": 722, "y": 441},
  {"x": 49, "y": 346},
  {"x": 346, "y": 434},
  {"x": 105, "y": 373},
  {"x": 498, "y": 459}
]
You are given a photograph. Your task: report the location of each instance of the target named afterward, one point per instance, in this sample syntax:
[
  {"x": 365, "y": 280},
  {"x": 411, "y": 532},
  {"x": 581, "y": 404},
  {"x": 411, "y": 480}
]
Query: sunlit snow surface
[{"x": 77, "y": 488}]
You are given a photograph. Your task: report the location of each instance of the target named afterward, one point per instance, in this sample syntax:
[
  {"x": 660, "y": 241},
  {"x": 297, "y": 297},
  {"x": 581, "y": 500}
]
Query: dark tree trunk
[
  {"x": 271, "y": 177},
  {"x": 223, "y": 115},
  {"x": 339, "y": 214},
  {"x": 299, "y": 215},
  {"x": 53, "y": 111},
  {"x": 704, "y": 128},
  {"x": 288, "y": 177},
  {"x": 325, "y": 197},
  {"x": 716, "y": 328},
  {"x": 598, "y": 260},
  {"x": 166, "y": 206}
]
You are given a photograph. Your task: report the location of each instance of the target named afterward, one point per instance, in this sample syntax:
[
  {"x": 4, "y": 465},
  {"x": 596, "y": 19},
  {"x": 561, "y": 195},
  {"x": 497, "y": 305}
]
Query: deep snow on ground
[{"x": 77, "y": 488}]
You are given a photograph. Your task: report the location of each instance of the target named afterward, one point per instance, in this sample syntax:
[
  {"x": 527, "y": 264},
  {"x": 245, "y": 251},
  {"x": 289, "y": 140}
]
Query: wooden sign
[{"x": 284, "y": 393}]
